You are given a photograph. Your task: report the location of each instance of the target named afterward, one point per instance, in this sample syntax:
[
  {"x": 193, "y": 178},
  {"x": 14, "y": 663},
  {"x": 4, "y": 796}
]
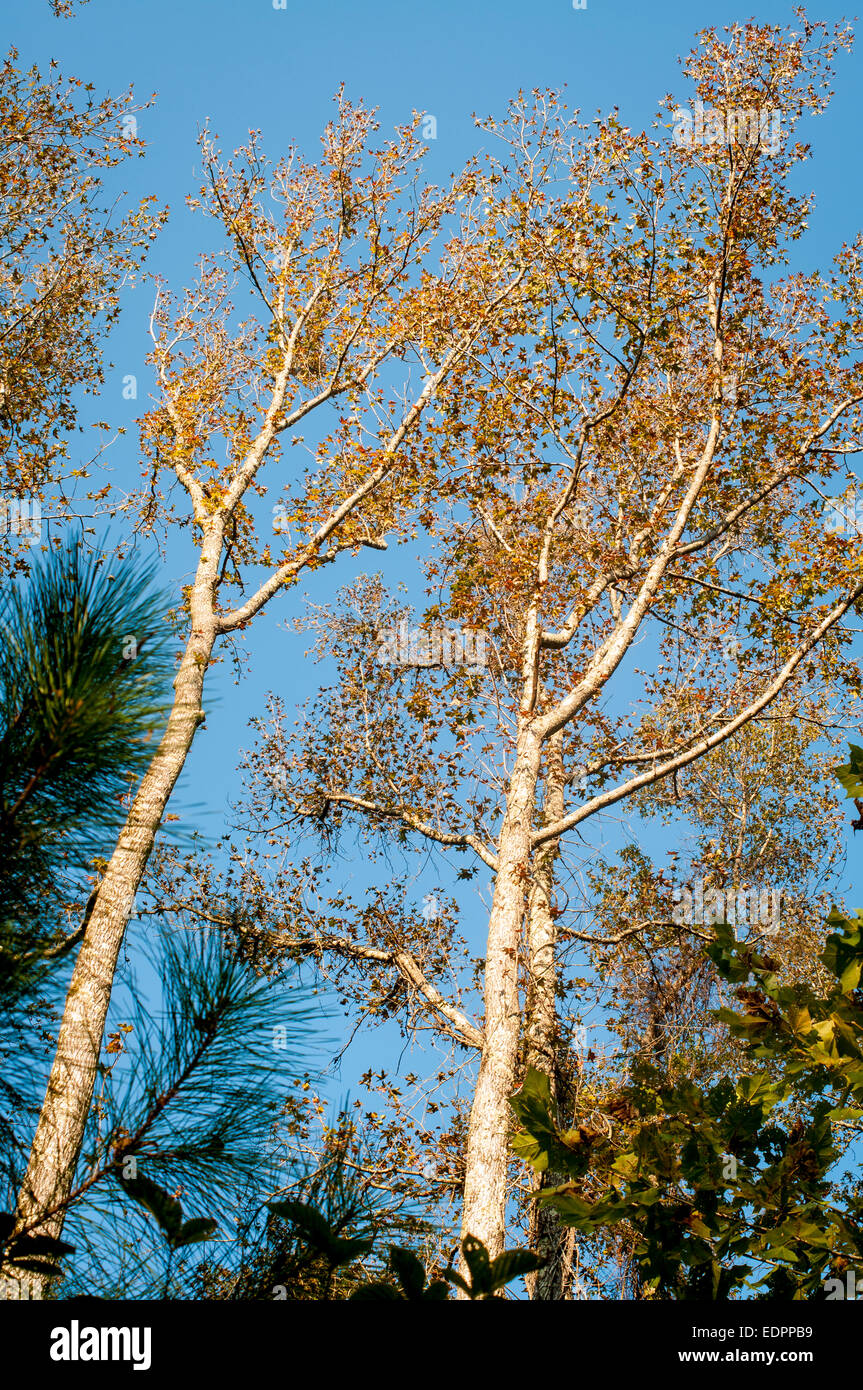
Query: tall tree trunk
[
  {"x": 548, "y": 1237},
  {"x": 485, "y": 1192},
  {"x": 60, "y": 1131}
]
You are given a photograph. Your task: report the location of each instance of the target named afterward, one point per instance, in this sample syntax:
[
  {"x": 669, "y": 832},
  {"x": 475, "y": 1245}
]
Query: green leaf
[
  {"x": 344, "y": 1251},
  {"x": 305, "y": 1218},
  {"x": 760, "y": 1090},
  {"x": 729, "y": 955},
  {"x": 782, "y": 1253},
  {"x": 532, "y": 1151},
  {"x": 437, "y": 1292},
  {"x": 198, "y": 1229},
  {"x": 843, "y": 954},
  {"x": 845, "y": 1112},
  {"x": 166, "y": 1209},
  {"x": 376, "y": 1293},
  {"x": 317, "y": 1232},
  {"x": 850, "y": 774},
  {"x": 455, "y": 1278},
  {"x": 511, "y": 1265},
  {"x": 477, "y": 1260},
  {"x": 534, "y": 1109},
  {"x": 626, "y": 1164},
  {"x": 410, "y": 1271},
  {"x": 647, "y": 1197}
]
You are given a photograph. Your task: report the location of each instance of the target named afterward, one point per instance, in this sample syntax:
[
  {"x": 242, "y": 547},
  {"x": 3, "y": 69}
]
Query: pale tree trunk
[
  {"x": 48, "y": 1181},
  {"x": 484, "y": 1213},
  {"x": 548, "y": 1238},
  {"x": 56, "y": 1146},
  {"x": 485, "y": 1192}
]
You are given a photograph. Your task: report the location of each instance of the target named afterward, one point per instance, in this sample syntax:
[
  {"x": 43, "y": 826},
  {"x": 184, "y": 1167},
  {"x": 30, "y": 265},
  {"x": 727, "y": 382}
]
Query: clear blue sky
[{"x": 245, "y": 64}]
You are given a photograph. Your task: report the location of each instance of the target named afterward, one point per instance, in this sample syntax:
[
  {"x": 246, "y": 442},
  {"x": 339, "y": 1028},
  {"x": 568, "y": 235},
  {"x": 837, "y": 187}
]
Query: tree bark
[
  {"x": 57, "y": 1142},
  {"x": 485, "y": 1192},
  {"x": 548, "y": 1238}
]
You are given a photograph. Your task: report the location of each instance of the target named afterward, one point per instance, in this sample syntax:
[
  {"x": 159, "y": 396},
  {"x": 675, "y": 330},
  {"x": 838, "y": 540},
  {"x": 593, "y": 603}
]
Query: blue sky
[{"x": 245, "y": 64}]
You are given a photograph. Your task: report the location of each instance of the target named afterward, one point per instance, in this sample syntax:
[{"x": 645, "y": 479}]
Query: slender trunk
[
  {"x": 485, "y": 1192},
  {"x": 548, "y": 1237},
  {"x": 63, "y": 1118}
]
